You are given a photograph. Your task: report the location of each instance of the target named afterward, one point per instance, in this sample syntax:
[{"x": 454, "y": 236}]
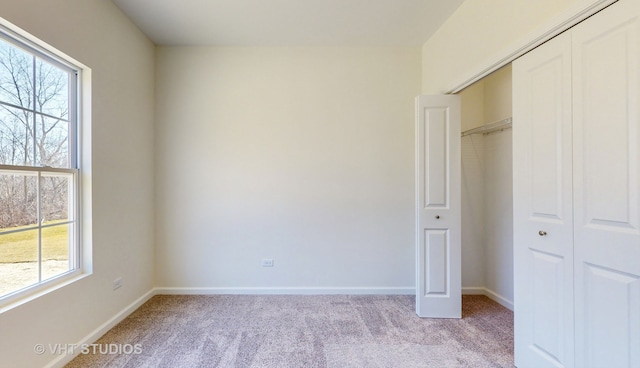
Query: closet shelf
[{"x": 491, "y": 127}]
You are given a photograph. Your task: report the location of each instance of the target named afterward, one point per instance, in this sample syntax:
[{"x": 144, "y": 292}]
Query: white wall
[
  {"x": 97, "y": 34},
  {"x": 498, "y": 214},
  {"x": 473, "y": 203},
  {"x": 303, "y": 155},
  {"x": 473, "y": 220},
  {"x": 478, "y": 32},
  {"x": 498, "y": 187}
]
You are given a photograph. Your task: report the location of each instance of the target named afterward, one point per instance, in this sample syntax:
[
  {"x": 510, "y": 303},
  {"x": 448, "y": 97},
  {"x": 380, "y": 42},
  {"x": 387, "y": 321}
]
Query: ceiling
[{"x": 289, "y": 22}]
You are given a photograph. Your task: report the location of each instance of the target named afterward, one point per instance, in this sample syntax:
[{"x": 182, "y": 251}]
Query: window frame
[{"x": 79, "y": 158}]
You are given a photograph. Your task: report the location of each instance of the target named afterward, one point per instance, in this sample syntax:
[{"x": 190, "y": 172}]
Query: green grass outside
[{"x": 23, "y": 246}]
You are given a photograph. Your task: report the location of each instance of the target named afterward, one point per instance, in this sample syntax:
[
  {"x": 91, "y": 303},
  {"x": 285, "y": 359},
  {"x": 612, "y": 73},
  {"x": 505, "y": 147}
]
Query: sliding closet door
[
  {"x": 438, "y": 233},
  {"x": 543, "y": 224},
  {"x": 606, "y": 94}
]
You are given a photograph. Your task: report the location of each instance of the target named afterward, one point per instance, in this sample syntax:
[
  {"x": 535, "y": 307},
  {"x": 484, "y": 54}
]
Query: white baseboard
[
  {"x": 478, "y": 290},
  {"x": 409, "y": 290},
  {"x": 98, "y": 332},
  {"x": 500, "y": 299}
]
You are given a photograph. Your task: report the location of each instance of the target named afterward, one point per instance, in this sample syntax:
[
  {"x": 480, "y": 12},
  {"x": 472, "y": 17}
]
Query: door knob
[
  {"x": 437, "y": 217},
  {"x": 542, "y": 233}
]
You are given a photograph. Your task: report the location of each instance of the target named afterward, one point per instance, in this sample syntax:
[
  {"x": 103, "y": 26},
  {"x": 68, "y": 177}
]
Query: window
[{"x": 39, "y": 167}]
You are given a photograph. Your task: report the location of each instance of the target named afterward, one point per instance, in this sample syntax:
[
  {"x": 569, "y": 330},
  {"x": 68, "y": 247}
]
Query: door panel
[
  {"x": 543, "y": 224},
  {"x": 606, "y": 97},
  {"x": 612, "y": 328},
  {"x": 436, "y": 253},
  {"x": 438, "y": 214},
  {"x": 547, "y": 307},
  {"x": 436, "y": 158}
]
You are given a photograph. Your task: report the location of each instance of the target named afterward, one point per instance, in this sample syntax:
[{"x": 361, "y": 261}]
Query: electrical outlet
[
  {"x": 117, "y": 283},
  {"x": 267, "y": 262}
]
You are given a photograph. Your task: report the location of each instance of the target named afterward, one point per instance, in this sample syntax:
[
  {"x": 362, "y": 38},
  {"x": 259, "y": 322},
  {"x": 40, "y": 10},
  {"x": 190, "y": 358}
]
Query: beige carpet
[{"x": 306, "y": 331}]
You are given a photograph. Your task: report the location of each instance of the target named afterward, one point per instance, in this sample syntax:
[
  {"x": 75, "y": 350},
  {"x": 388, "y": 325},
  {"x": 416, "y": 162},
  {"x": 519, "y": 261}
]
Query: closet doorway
[
  {"x": 487, "y": 200},
  {"x": 601, "y": 326}
]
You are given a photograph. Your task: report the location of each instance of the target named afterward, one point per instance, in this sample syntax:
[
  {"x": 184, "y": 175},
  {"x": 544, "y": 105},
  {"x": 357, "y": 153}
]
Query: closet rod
[{"x": 491, "y": 127}]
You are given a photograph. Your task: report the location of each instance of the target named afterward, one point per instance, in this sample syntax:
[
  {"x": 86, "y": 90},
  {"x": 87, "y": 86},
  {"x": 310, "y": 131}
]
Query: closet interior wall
[{"x": 487, "y": 204}]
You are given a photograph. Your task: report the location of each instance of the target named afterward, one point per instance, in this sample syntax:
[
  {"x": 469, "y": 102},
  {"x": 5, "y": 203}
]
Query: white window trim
[{"x": 83, "y": 173}]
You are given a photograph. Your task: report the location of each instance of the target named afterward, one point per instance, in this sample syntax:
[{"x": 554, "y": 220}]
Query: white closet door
[
  {"x": 543, "y": 224},
  {"x": 438, "y": 233},
  {"x": 606, "y": 95}
]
